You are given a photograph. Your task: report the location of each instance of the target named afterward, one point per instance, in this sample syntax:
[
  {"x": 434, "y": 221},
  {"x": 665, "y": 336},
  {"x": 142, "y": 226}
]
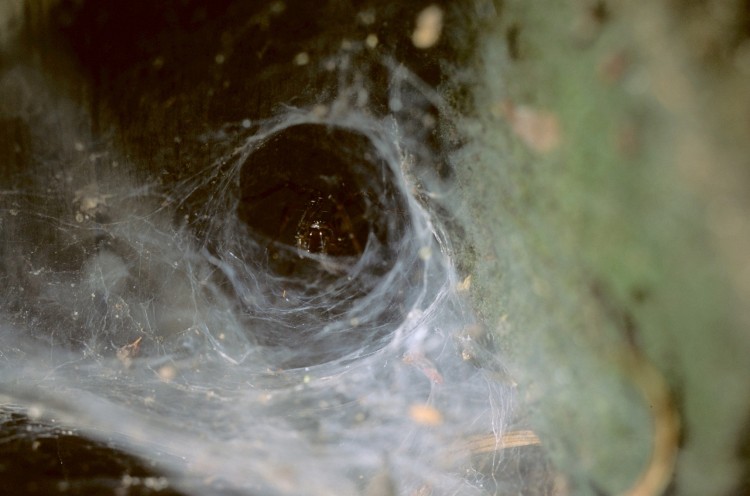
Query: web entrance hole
[
  {"x": 317, "y": 189},
  {"x": 323, "y": 206}
]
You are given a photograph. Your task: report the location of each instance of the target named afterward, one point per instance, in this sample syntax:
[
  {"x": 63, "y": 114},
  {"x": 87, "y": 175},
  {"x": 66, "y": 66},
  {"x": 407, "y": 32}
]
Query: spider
[
  {"x": 325, "y": 221},
  {"x": 325, "y": 227}
]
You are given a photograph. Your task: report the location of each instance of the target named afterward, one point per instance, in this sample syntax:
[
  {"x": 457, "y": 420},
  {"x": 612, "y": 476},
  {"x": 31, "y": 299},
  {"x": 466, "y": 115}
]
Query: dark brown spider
[{"x": 326, "y": 228}]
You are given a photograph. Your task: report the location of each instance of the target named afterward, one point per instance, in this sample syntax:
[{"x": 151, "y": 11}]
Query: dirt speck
[
  {"x": 428, "y": 28},
  {"x": 538, "y": 129}
]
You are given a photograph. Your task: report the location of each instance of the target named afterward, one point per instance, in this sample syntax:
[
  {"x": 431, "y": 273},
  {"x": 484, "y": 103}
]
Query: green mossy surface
[{"x": 600, "y": 242}]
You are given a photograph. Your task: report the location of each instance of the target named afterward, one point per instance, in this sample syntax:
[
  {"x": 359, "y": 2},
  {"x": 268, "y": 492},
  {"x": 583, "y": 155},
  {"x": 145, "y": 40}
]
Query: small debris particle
[
  {"x": 156, "y": 483},
  {"x": 538, "y": 129},
  {"x": 428, "y": 28},
  {"x": 246, "y": 123},
  {"x": 371, "y": 40},
  {"x": 278, "y": 7},
  {"x": 425, "y": 415},
  {"x": 425, "y": 253},
  {"x": 464, "y": 285},
  {"x": 320, "y": 111},
  {"x": 367, "y": 17},
  {"x": 613, "y": 67},
  {"x": 35, "y": 412},
  {"x": 425, "y": 366},
  {"x": 126, "y": 353},
  {"x": 302, "y": 58},
  {"x": 90, "y": 200},
  {"x": 219, "y": 58},
  {"x": 90, "y": 203},
  {"x": 167, "y": 373},
  {"x": 423, "y": 490}
]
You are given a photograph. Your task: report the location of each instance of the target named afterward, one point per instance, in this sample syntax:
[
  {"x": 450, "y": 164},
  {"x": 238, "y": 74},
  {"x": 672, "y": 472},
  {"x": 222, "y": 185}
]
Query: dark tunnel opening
[
  {"x": 319, "y": 189},
  {"x": 324, "y": 212}
]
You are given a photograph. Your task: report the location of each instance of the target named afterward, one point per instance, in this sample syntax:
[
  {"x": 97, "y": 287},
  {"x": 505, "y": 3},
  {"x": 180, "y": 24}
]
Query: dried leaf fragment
[
  {"x": 425, "y": 366},
  {"x": 90, "y": 200},
  {"x": 464, "y": 285},
  {"x": 127, "y": 353}
]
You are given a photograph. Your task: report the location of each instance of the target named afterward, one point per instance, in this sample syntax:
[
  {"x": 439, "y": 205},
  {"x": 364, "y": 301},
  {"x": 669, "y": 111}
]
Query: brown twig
[{"x": 657, "y": 475}]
